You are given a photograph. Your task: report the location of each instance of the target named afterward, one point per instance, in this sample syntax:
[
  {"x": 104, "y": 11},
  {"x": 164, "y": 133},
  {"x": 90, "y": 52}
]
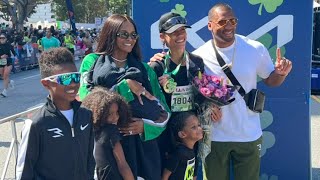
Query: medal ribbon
[{"x": 176, "y": 70}]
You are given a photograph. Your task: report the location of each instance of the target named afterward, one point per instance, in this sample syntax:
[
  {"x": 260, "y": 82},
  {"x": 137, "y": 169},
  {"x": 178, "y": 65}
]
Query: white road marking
[{"x": 29, "y": 77}]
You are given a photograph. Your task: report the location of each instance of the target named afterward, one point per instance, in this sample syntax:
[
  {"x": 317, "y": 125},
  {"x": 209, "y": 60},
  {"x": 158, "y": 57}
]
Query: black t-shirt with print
[
  {"x": 181, "y": 163},
  {"x": 105, "y": 140}
]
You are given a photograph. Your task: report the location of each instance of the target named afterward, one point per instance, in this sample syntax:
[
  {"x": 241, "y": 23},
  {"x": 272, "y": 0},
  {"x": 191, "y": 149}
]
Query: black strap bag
[{"x": 255, "y": 99}]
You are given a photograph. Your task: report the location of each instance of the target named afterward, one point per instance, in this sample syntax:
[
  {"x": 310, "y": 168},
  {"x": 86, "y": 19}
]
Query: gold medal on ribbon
[{"x": 170, "y": 86}]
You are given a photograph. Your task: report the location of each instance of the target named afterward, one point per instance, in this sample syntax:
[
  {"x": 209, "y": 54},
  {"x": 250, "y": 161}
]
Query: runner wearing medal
[
  {"x": 173, "y": 71},
  {"x": 181, "y": 94}
]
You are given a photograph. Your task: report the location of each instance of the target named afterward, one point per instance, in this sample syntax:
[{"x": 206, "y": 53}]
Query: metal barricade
[{"x": 14, "y": 141}]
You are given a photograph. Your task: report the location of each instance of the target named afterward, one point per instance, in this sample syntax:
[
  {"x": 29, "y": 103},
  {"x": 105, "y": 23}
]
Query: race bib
[
  {"x": 182, "y": 99},
  {"x": 189, "y": 173},
  {"x": 3, "y": 62}
]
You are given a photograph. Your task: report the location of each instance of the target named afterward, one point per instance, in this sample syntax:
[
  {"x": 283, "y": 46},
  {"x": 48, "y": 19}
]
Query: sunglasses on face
[
  {"x": 65, "y": 79},
  {"x": 173, "y": 21},
  {"x": 2, "y": 37},
  {"x": 224, "y": 22},
  {"x": 126, "y": 35}
]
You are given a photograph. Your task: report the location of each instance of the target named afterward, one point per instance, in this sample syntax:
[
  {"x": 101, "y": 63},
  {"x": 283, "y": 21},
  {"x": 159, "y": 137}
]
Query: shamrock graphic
[
  {"x": 269, "y": 5},
  {"x": 266, "y": 40},
  {"x": 180, "y": 10},
  {"x": 164, "y": 0},
  {"x": 269, "y": 139},
  {"x": 265, "y": 177}
]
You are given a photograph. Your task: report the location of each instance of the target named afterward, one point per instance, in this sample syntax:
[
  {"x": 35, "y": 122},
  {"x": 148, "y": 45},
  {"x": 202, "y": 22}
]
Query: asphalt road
[{"x": 28, "y": 93}]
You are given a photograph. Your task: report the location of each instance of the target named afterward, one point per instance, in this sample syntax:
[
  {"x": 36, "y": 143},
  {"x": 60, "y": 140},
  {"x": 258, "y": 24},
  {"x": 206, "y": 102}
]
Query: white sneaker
[
  {"x": 4, "y": 93},
  {"x": 11, "y": 84}
]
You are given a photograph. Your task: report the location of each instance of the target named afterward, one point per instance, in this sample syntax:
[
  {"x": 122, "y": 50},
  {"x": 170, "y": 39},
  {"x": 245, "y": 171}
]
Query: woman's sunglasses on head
[
  {"x": 173, "y": 21},
  {"x": 65, "y": 79},
  {"x": 222, "y": 23},
  {"x": 126, "y": 35}
]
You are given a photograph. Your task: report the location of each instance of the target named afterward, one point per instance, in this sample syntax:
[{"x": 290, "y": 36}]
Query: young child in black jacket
[{"x": 58, "y": 142}]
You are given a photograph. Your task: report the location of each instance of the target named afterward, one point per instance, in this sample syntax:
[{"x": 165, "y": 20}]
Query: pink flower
[
  {"x": 215, "y": 79},
  {"x": 218, "y": 93},
  {"x": 205, "y": 91},
  {"x": 214, "y": 87}
]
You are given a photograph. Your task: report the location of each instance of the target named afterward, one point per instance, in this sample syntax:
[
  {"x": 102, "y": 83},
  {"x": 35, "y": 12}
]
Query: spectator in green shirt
[{"x": 49, "y": 41}]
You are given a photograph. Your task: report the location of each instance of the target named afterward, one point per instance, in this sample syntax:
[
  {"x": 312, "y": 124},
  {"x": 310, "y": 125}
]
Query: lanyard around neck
[{"x": 166, "y": 63}]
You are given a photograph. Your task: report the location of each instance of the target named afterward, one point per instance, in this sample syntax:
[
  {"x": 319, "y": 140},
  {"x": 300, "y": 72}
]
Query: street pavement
[{"x": 29, "y": 93}]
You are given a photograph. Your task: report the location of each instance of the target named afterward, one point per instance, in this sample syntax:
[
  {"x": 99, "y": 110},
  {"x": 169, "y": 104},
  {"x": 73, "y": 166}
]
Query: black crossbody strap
[{"x": 226, "y": 69}]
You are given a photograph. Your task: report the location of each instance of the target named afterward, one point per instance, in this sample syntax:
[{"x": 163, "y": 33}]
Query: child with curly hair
[
  {"x": 186, "y": 131},
  {"x": 109, "y": 112}
]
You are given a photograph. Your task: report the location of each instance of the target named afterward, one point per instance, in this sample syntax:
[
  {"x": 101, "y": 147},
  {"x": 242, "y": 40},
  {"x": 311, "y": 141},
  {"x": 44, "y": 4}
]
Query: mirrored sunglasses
[
  {"x": 224, "y": 22},
  {"x": 65, "y": 79},
  {"x": 126, "y": 35},
  {"x": 173, "y": 21}
]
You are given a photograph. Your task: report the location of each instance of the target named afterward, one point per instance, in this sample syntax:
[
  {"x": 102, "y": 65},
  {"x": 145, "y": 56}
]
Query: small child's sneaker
[
  {"x": 11, "y": 84},
  {"x": 4, "y": 93}
]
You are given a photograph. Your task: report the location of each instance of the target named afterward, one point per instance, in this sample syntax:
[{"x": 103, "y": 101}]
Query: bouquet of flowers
[
  {"x": 210, "y": 91},
  {"x": 213, "y": 88}
]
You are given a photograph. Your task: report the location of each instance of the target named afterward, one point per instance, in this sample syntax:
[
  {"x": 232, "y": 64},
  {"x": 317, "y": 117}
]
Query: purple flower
[
  {"x": 214, "y": 87},
  {"x": 197, "y": 81},
  {"x": 205, "y": 81},
  {"x": 224, "y": 90},
  {"x": 211, "y": 87},
  {"x": 218, "y": 93}
]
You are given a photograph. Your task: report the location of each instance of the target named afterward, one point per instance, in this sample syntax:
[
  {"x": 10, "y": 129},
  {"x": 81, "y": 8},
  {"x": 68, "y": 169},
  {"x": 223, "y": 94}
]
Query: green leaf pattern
[
  {"x": 269, "y": 139},
  {"x": 266, "y": 40},
  {"x": 269, "y": 5},
  {"x": 179, "y": 9}
]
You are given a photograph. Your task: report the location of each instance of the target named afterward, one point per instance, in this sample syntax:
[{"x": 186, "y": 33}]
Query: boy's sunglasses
[
  {"x": 65, "y": 79},
  {"x": 126, "y": 35},
  {"x": 173, "y": 21},
  {"x": 224, "y": 22}
]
